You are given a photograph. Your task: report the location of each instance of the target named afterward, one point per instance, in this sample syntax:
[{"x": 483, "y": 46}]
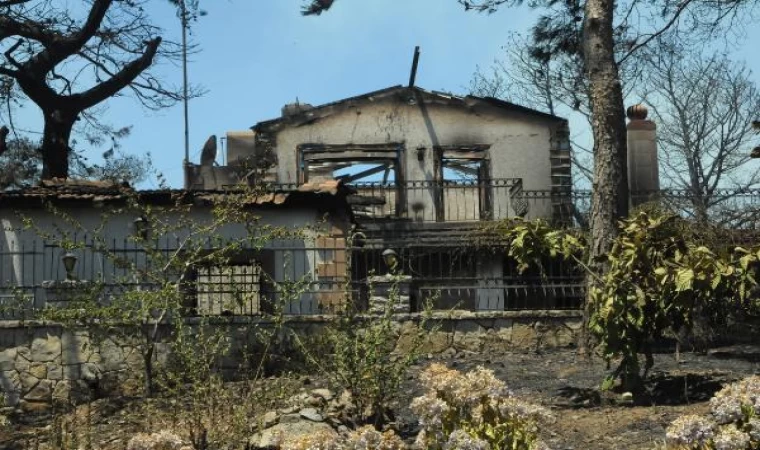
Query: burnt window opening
[
  {"x": 239, "y": 286},
  {"x": 376, "y": 170},
  {"x": 463, "y": 175}
]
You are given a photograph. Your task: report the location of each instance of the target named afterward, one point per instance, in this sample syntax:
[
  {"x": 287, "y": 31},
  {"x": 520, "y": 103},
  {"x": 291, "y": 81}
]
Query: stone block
[
  {"x": 523, "y": 335},
  {"x": 38, "y": 370},
  {"x": 54, "y": 371},
  {"x": 469, "y": 326},
  {"x": 407, "y": 338},
  {"x": 34, "y": 407},
  {"x": 22, "y": 364},
  {"x": 28, "y": 381},
  {"x": 23, "y": 353},
  {"x": 472, "y": 342},
  {"x": 112, "y": 355},
  {"x": 62, "y": 392},
  {"x": 10, "y": 383},
  {"x": 71, "y": 372},
  {"x": 437, "y": 342},
  {"x": 494, "y": 343},
  {"x": 75, "y": 347},
  {"x": 8, "y": 359},
  {"x": 379, "y": 305},
  {"x": 89, "y": 372},
  {"x": 45, "y": 349},
  {"x": 133, "y": 358},
  {"x": 41, "y": 392}
]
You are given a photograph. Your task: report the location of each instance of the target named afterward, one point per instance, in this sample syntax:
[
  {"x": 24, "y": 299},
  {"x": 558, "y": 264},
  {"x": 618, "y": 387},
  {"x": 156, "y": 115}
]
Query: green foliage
[
  {"x": 530, "y": 242},
  {"x": 474, "y": 410},
  {"x": 657, "y": 278},
  {"x": 155, "y": 286},
  {"x": 358, "y": 353}
]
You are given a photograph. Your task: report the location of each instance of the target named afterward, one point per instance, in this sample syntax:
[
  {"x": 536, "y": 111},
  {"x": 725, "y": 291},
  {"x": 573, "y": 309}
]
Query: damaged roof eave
[
  {"x": 84, "y": 192},
  {"x": 430, "y": 97}
]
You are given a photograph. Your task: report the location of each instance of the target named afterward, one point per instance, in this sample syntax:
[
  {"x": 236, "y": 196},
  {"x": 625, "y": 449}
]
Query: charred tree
[{"x": 66, "y": 66}]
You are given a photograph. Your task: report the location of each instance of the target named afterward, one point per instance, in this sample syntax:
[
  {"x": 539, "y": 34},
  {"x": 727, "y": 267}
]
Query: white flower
[
  {"x": 690, "y": 430},
  {"x": 727, "y": 404},
  {"x": 730, "y": 438},
  {"x": 754, "y": 432},
  {"x": 430, "y": 410},
  {"x": 460, "y": 440}
]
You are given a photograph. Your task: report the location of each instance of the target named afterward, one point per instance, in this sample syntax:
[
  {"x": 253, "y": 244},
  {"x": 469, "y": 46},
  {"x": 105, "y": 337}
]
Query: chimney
[
  {"x": 294, "y": 109},
  {"x": 643, "y": 166}
]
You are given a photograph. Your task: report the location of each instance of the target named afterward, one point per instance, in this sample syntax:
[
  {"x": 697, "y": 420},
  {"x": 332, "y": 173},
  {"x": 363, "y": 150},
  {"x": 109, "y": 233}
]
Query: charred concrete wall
[{"x": 519, "y": 144}]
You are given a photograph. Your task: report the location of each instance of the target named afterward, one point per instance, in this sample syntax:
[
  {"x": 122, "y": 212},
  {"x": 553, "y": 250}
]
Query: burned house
[
  {"x": 101, "y": 225},
  {"x": 428, "y": 169}
]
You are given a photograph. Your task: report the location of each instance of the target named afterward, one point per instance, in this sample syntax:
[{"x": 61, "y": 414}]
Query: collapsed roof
[{"x": 302, "y": 114}]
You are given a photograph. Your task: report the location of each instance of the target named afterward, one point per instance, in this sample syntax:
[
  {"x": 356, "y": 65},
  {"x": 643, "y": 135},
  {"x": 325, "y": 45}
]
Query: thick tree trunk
[
  {"x": 610, "y": 185},
  {"x": 55, "y": 143}
]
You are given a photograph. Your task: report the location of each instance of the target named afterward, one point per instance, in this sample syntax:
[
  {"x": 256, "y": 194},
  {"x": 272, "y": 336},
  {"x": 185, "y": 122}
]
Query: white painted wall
[{"x": 25, "y": 260}]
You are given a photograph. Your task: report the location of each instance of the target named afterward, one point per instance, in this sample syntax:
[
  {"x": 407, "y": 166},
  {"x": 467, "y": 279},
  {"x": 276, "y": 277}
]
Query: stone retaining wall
[{"x": 42, "y": 365}]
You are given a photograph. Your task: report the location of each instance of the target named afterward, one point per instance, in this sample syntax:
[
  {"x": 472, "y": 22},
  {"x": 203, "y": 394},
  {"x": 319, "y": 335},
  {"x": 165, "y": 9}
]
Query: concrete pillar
[{"x": 643, "y": 166}]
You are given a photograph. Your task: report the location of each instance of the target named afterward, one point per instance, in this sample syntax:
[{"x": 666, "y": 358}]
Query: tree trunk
[
  {"x": 55, "y": 143},
  {"x": 148, "y": 381},
  {"x": 610, "y": 185}
]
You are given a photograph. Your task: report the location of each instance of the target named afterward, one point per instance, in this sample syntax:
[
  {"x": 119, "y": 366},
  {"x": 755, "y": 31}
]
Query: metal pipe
[{"x": 413, "y": 75}]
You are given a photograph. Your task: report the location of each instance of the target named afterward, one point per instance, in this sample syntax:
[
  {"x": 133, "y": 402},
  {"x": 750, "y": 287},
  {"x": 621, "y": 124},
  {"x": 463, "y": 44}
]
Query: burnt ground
[{"x": 585, "y": 418}]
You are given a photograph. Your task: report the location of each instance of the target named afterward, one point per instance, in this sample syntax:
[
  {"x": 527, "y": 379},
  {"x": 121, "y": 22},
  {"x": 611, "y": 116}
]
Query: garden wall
[{"x": 43, "y": 365}]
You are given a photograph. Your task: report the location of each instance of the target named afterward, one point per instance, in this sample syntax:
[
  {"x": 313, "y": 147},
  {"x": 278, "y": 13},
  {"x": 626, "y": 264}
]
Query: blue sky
[{"x": 257, "y": 55}]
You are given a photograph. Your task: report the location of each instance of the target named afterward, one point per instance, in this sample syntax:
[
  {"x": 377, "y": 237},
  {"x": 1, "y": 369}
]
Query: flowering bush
[
  {"x": 365, "y": 438},
  {"x": 733, "y": 422},
  {"x": 474, "y": 411}
]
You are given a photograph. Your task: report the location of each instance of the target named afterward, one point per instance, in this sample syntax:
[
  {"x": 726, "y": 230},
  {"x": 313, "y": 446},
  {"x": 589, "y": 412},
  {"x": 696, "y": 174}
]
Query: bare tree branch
[
  {"x": 66, "y": 66},
  {"x": 703, "y": 106}
]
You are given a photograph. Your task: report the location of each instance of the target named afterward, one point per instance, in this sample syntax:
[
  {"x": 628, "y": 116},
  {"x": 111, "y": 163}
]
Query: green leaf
[
  {"x": 684, "y": 279},
  {"x": 608, "y": 383}
]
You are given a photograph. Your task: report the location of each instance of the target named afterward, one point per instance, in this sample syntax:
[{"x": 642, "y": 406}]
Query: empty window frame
[
  {"x": 376, "y": 170},
  {"x": 239, "y": 286},
  {"x": 463, "y": 175}
]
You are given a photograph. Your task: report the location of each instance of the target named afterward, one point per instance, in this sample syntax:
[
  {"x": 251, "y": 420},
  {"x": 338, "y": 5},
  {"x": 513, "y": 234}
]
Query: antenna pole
[
  {"x": 413, "y": 75},
  {"x": 183, "y": 11}
]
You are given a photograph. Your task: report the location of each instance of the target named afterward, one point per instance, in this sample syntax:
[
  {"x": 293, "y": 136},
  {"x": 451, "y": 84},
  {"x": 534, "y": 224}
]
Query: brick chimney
[{"x": 643, "y": 166}]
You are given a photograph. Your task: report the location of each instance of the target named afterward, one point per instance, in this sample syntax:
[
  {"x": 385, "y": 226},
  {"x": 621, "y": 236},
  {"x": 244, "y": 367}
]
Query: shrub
[
  {"x": 474, "y": 411},
  {"x": 357, "y": 353},
  {"x": 732, "y": 424},
  {"x": 656, "y": 279},
  {"x": 365, "y": 438}
]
